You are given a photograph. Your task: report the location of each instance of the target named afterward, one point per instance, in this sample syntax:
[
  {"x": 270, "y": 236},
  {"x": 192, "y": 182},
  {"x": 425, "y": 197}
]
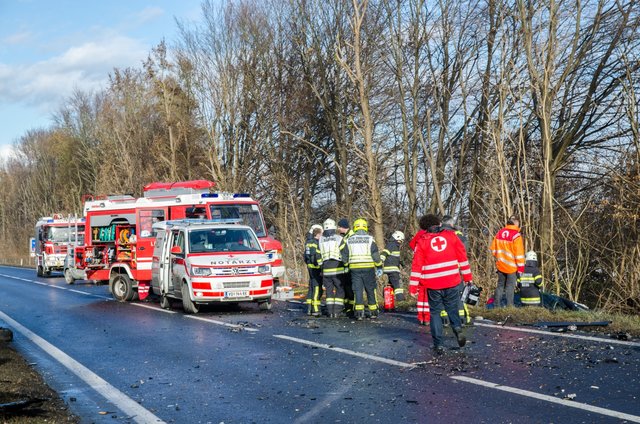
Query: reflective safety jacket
[
  {"x": 360, "y": 251},
  {"x": 390, "y": 256},
  {"x": 530, "y": 282},
  {"x": 508, "y": 249},
  {"x": 312, "y": 256},
  {"x": 439, "y": 260},
  {"x": 330, "y": 251}
]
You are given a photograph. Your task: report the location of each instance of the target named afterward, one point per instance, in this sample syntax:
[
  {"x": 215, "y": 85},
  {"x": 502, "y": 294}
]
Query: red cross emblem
[
  {"x": 438, "y": 243},
  {"x": 505, "y": 234}
]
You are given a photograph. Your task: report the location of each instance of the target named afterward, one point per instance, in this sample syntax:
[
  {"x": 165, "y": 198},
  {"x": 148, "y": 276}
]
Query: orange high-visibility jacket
[{"x": 508, "y": 249}]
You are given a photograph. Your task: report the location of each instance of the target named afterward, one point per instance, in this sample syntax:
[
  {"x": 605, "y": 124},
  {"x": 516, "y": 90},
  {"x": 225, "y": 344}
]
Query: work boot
[
  {"x": 359, "y": 315},
  {"x": 309, "y": 310},
  {"x": 438, "y": 350},
  {"x": 462, "y": 340},
  {"x": 374, "y": 314}
]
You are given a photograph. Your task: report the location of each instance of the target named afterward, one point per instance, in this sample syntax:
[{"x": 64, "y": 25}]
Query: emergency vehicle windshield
[
  {"x": 61, "y": 234},
  {"x": 223, "y": 240},
  {"x": 249, "y": 215}
]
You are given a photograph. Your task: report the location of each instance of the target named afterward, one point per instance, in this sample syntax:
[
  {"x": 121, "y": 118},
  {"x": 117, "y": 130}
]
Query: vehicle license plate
[{"x": 237, "y": 293}]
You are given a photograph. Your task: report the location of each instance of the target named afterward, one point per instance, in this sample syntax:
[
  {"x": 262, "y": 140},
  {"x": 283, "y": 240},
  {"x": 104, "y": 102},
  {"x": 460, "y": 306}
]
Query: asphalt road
[{"x": 134, "y": 362}]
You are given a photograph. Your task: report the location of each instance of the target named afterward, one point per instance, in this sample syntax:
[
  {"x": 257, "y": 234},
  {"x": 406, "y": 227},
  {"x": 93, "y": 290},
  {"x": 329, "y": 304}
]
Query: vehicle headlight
[
  {"x": 264, "y": 269},
  {"x": 200, "y": 271}
]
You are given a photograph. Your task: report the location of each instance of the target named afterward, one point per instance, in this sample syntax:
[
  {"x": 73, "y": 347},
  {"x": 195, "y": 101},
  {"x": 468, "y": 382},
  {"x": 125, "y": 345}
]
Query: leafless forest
[{"x": 385, "y": 109}]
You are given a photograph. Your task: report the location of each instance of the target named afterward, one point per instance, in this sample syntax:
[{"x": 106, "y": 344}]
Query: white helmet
[
  {"x": 531, "y": 256},
  {"x": 329, "y": 224},
  {"x": 398, "y": 236},
  {"x": 314, "y": 226}
]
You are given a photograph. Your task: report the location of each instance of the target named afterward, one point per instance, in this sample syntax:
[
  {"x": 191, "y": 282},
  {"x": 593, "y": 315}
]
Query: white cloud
[
  {"x": 85, "y": 66},
  {"x": 17, "y": 38},
  {"x": 149, "y": 14},
  {"x": 6, "y": 152}
]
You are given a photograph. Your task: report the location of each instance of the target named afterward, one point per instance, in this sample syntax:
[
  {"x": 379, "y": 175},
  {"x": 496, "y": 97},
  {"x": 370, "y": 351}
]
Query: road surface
[{"x": 135, "y": 362}]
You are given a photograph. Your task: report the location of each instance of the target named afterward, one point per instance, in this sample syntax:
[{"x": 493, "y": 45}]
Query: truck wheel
[
  {"x": 47, "y": 272},
  {"x": 187, "y": 304},
  {"x": 121, "y": 287},
  {"x": 265, "y": 306},
  {"x": 39, "y": 272},
  {"x": 68, "y": 277},
  {"x": 165, "y": 302}
]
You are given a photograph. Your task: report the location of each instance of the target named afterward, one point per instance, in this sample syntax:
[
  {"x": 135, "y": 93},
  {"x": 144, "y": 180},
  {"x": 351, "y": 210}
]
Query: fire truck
[
  {"x": 120, "y": 238},
  {"x": 202, "y": 262},
  {"x": 54, "y": 236}
]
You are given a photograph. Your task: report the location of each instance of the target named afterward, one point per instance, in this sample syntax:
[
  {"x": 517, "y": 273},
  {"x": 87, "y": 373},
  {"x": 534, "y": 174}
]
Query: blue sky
[{"x": 48, "y": 48}]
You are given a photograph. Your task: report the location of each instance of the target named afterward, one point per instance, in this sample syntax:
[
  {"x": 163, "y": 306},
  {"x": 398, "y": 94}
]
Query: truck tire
[
  {"x": 121, "y": 287},
  {"x": 39, "y": 272},
  {"x": 187, "y": 304},
  {"x": 68, "y": 277},
  {"x": 165, "y": 302},
  {"x": 265, "y": 305},
  {"x": 47, "y": 272}
]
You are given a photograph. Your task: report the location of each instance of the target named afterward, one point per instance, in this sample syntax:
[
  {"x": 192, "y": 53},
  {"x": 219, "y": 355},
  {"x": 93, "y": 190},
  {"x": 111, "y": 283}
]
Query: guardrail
[{"x": 21, "y": 262}]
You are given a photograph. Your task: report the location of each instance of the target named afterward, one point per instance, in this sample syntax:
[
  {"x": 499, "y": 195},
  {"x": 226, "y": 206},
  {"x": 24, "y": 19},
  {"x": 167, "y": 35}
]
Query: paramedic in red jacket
[{"x": 439, "y": 259}]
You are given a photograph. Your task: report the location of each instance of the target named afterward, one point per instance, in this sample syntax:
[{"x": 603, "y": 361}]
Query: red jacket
[
  {"x": 438, "y": 261},
  {"x": 414, "y": 240}
]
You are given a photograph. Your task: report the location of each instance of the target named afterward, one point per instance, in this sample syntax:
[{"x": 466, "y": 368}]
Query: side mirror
[{"x": 176, "y": 250}]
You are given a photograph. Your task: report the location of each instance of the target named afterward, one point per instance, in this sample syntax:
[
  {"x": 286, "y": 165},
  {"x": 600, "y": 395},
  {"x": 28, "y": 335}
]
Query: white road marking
[
  {"x": 570, "y": 336},
  {"x": 347, "y": 351},
  {"x": 226, "y": 324},
  {"x": 547, "y": 398},
  {"x": 80, "y": 292},
  {"x": 153, "y": 308},
  {"x": 127, "y": 405}
]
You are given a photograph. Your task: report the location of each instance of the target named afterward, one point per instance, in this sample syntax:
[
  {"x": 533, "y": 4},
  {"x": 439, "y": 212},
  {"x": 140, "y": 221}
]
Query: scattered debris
[
  {"x": 572, "y": 326},
  {"x": 19, "y": 405},
  {"x": 6, "y": 335},
  {"x": 570, "y": 396}
]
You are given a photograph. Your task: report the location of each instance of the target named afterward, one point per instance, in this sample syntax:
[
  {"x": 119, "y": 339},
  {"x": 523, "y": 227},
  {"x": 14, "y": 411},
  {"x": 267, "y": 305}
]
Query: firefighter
[
  {"x": 448, "y": 223},
  {"x": 439, "y": 260},
  {"x": 390, "y": 257},
  {"x": 349, "y": 300},
  {"x": 332, "y": 268},
  {"x": 360, "y": 254},
  {"x": 508, "y": 249},
  {"x": 530, "y": 281},
  {"x": 314, "y": 263}
]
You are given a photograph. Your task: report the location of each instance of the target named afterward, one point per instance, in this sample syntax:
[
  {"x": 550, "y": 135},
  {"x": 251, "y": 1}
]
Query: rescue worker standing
[
  {"x": 508, "y": 249},
  {"x": 360, "y": 254},
  {"x": 313, "y": 259},
  {"x": 530, "y": 281},
  {"x": 390, "y": 256},
  {"x": 439, "y": 260},
  {"x": 332, "y": 268},
  {"x": 448, "y": 223},
  {"x": 349, "y": 298},
  {"x": 422, "y": 303}
]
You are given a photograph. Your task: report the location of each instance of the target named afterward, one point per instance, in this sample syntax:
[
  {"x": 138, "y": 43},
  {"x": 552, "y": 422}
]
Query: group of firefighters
[{"x": 345, "y": 263}]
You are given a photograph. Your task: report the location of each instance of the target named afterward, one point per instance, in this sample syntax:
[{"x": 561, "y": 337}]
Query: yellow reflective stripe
[{"x": 362, "y": 265}]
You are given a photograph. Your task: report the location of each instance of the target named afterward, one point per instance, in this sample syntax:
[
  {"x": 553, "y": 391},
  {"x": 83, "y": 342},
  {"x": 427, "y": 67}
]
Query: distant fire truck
[
  {"x": 54, "y": 235},
  {"x": 119, "y": 236}
]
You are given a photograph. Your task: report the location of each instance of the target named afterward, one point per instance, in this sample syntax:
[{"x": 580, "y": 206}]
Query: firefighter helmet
[
  {"x": 360, "y": 224},
  {"x": 329, "y": 224},
  {"x": 531, "y": 256},
  {"x": 398, "y": 236},
  {"x": 314, "y": 226}
]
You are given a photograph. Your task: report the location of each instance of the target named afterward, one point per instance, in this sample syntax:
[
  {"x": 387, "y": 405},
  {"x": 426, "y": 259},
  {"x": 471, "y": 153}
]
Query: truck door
[
  {"x": 160, "y": 263},
  {"x": 177, "y": 260}
]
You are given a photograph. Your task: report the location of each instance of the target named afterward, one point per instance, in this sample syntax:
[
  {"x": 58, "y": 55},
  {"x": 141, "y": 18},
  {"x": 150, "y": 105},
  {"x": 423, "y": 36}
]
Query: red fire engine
[
  {"x": 54, "y": 235},
  {"x": 119, "y": 236}
]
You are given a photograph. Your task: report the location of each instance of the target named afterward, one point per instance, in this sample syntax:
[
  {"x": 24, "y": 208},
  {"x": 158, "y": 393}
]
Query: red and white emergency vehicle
[
  {"x": 54, "y": 235},
  {"x": 202, "y": 261},
  {"x": 119, "y": 236}
]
